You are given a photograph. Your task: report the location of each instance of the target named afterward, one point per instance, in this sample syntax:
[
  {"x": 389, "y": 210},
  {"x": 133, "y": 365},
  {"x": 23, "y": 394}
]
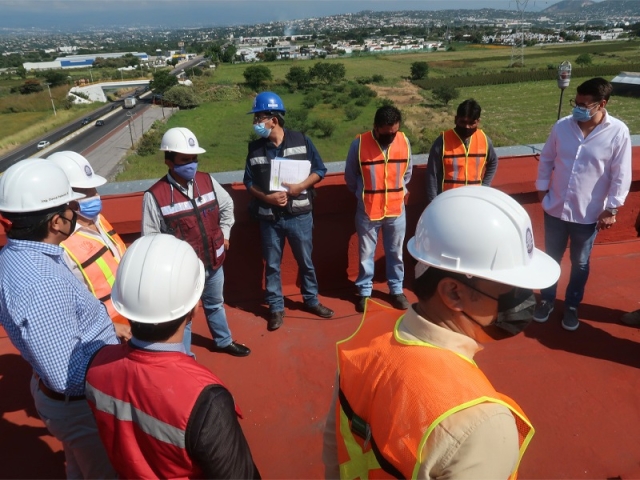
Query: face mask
[
  {"x": 187, "y": 171},
  {"x": 261, "y": 130},
  {"x": 581, "y": 114},
  {"x": 464, "y": 132},
  {"x": 72, "y": 223},
  {"x": 90, "y": 207},
  {"x": 385, "y": 139}
]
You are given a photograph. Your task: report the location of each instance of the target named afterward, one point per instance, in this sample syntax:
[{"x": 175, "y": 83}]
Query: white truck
[{"x": 129, "y": 102}]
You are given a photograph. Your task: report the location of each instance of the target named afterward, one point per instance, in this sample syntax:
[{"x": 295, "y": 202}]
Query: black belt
[{"x": 53, "y": 395}]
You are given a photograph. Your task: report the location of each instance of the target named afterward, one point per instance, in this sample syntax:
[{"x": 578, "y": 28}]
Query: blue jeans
[
  {"x": 557, "y": 233},
  {"x": 393, "y": 230},
  {"x": 299, "y": 231},
  {"x": 213, "y": 305}
]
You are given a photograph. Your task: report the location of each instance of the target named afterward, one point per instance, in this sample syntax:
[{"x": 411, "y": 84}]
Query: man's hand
[
  {"x": 605, "y": 220},
  {"x": 277, "y": 198},
  {"x": 123, "y": 332},
  {"x": 542, "y": 194},
  {"x": 294, "y": 189},
  {"x": 226, "y": 244}
]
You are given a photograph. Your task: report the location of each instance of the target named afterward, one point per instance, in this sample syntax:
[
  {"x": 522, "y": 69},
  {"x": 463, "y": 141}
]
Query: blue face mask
[
  {"x": 260, "y": 129},
  {"x": 90, "y": 207},
  {"x": 581, "y": 114},
  {"x": 187, "y": 171}
]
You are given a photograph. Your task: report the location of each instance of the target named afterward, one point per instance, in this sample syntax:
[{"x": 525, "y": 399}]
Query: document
[{"x": 284, "y": 170}]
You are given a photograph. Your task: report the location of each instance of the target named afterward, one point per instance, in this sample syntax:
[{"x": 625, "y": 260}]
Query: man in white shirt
[{"x": 584, "y": 176}]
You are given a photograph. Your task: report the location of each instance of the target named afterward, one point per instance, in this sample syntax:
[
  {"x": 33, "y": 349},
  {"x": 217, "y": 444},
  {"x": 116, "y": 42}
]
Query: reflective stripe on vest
[
  {"x": 172, "y": 209},
  {"x": 97, "y": 263},
  {"x": 376, "y": 359},
  {"x": 383, "y": 175},
  {"x": 461, "y": 165}
]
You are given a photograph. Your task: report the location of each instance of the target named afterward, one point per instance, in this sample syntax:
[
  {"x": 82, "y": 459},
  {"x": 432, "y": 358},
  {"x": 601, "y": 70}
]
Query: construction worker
[
  {"x": 49, "y": 316},
  {"x": 410, "y": 401},
  {"x": 161, "y": 414},
  {"x": 377, "y": 171},
  {"x": 461, "y": 156},
  {"x": 195, "y": 208},
  {"x": 283, "y": 215},
  {"x": 94, "y": 249}
]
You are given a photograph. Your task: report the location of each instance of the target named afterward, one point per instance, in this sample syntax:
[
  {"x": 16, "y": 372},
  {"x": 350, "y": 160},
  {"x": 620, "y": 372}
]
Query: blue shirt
[
  {"x": 51, "y": 317},
  {"x": 317, "y": 165}
]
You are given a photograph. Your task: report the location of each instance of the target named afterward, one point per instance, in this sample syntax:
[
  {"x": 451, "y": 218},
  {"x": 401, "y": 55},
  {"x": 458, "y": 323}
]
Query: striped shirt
[{"x": 51, "y": 318}]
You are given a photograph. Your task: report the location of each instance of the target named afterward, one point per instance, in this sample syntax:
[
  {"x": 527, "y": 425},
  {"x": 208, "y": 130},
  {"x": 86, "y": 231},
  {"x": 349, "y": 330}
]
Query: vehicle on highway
[
  {"x": 43, "y": 144},
  {"x": 129, "y": 102},
  {"x": 100, "y": 123},
  {"x": 85, "y": 120}
]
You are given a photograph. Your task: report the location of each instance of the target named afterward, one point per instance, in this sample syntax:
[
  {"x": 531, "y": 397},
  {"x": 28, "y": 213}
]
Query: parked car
[
  {"x": 100, "y": 123},
  {"x": 43, "y": 144},
  {"x": 85, "y": 120}
]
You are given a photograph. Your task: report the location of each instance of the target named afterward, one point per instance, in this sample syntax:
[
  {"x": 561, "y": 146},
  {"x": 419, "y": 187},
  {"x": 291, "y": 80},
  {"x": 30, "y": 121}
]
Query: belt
[{"x": 53, "y": 395}]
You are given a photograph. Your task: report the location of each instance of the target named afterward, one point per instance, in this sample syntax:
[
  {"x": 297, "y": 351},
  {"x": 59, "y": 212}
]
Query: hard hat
[
  {"x": 34, "y": 185},
  {"x": 180, "y": 140},
  {"x": 159, "y": 279},
  {"x": 78, "y": 169},
  {"x": 267, "y": 102},
  {"x": 482, "y": 232}
]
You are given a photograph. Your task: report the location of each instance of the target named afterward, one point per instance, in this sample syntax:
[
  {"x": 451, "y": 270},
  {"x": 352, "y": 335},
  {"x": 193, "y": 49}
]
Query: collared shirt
[
  {"x": 353, "y": 173},
  {"x": 158, "y": 346},
  {"x": 476, "y": 442},
  {"x": 317, "y": 165},
  {"x": 153, "y": 222},
  {"x": 584, "y": 176},
  {"x": 435, "y": 170},
  {"x": 51, "y": 318}
]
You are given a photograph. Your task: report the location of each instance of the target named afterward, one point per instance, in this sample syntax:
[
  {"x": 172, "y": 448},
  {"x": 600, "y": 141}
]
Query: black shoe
[
  {"x": 400, "y": 302},
  {"x": 319, "y": 310},
  {"x": 235, "y": 349},
  {"x": 361, "y": 303},
  {"x": 275, "y": 321}
]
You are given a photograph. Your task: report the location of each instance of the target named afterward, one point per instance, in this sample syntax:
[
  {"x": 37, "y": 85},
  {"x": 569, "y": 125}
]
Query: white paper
[{"x": 284, "y": 170}]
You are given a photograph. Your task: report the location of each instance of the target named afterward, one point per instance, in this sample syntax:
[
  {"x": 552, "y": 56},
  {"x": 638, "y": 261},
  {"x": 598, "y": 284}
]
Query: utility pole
[
  {"x": 129, "y": 115},
  {"x": 51, "y": 98},
  {"x": 91, "y": 74}
]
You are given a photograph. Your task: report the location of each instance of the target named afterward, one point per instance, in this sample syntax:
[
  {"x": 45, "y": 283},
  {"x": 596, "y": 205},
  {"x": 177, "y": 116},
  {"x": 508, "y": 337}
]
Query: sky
[{"x": 180, "y": 13}]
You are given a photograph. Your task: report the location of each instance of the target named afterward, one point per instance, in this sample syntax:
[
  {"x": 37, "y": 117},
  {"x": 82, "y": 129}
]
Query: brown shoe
[
  {"x": 632, "y": 318},
  {"x": 319, "y": 310},
  {"x": 275, "y": 320}
]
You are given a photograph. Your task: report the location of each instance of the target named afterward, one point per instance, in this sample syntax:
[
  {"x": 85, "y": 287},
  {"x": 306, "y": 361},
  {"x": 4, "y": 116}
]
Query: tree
[
  {"x": 328, "y": 72},
  {"x": 256, "y": 76},
  {"x": 21, "y": 72},
  {"x": 419, "y": 70},
  {"x": 183, "y": 97},
  {"x": 30, "y": 86},
  {"x": 445, "y": 93},
  {"x": 162, "y": 81},
  {"x": 298, "y": 76},
  {"x": 229, "y": 54},
  {"x": 584, "y": 60},
  {"x": 270, "y": 56},
  {"x": 55, "y": 78}
]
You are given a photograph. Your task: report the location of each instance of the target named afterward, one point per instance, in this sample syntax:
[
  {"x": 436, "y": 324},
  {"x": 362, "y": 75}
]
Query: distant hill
[
  {"x": 588, "y": 7},
  {"x": 568, "y": 6}
]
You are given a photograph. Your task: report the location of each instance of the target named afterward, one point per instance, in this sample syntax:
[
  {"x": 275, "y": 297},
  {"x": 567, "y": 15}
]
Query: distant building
[{"x": 79, "y": 61}]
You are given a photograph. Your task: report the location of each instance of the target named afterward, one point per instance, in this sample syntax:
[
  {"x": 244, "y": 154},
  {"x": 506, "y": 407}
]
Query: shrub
[
  {"x": 445, "y": 93},
  {"x": 419, "y": 70},
  {"x": 326, "y": 127},
  {"x": 352, "y": 112},
  {"x": 377, "y": 78},
  {"x": 297, "y": 120},
  {"x": 311, "y": 99},
  {"x": 149, "y": 142}
]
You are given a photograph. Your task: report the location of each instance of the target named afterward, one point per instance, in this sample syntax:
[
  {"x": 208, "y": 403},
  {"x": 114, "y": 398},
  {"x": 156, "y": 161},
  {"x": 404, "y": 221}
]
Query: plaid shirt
[{"x": 51, "y": 318}]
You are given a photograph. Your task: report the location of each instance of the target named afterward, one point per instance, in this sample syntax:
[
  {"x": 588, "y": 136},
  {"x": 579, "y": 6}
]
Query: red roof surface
[{"x": 581, "y": 389}]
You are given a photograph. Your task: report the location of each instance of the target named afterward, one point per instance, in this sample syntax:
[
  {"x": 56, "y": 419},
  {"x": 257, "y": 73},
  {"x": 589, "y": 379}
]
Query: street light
[
  {"x": 564, "y": 77},
  {"x": 90, "y": 73},
  {"x": 129, "y": 115},
  {"x": 51, "y": 98}
]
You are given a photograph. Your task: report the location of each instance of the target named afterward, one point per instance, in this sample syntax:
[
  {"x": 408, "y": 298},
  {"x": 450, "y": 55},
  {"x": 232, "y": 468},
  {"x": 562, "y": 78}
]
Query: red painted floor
[{"x": 581, "y": 389}]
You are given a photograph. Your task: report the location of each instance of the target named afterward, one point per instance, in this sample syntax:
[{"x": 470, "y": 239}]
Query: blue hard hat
[{"x": 267, "y": 102}]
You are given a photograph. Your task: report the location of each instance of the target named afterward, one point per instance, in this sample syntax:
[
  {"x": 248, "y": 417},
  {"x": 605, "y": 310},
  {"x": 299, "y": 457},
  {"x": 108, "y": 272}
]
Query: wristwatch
[{"x": 612, "y": 211}]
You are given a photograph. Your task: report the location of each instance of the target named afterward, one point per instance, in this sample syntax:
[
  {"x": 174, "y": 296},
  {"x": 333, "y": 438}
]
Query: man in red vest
[
  {"x": 461, "y": 156},
  {"x": 410, "y": 401},
  {"x": 377, "y": 171},
  {"x": 92, "y": 252},
  {"x": 160, "y": 413},
  {"x": 195, "y": 208}
]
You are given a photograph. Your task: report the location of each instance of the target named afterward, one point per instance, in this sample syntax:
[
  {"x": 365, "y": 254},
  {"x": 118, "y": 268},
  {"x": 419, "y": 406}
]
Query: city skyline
[{"x": 76, "y": 14}]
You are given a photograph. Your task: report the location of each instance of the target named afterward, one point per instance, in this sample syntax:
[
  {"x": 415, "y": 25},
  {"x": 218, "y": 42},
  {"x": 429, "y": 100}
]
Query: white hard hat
[
  {"x": 180, "y": 140},
  {"x": 159, "y": 279},
  {"x": 482, "y": 232},
  {"x": 78, "y": 169},
  {"x": 34, "y": 185}
]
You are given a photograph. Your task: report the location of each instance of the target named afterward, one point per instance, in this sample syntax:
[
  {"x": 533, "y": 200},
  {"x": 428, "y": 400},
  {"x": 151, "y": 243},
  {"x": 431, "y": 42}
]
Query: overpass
[{"x": 95, "y": 91}]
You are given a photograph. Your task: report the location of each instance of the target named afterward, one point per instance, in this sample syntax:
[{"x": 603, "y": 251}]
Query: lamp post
[
  {"x": 91, "y": 74},
  {"x": 564, "y": 77},
  {"x": 129, "y": 115},
  {"x": 51, "y": 98}
]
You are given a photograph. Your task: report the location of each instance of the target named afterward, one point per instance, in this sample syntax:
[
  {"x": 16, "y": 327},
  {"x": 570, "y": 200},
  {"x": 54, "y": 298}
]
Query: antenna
[{"x": 517, "y": 49}]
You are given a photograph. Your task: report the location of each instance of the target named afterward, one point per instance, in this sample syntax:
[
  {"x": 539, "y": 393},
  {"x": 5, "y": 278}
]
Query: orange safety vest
[
  {"x": 461, "y": 165},
  {"x": 97, "y": 264},
  {"x": 394, "y": 393},
  {"x": 383, "y": 175}
]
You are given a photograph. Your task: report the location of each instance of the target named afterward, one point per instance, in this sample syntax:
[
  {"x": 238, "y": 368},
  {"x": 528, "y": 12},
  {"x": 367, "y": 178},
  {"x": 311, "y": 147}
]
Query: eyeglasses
[
  {"x": 262, "y": 119},
  {"x": 573, "y": 104}
]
